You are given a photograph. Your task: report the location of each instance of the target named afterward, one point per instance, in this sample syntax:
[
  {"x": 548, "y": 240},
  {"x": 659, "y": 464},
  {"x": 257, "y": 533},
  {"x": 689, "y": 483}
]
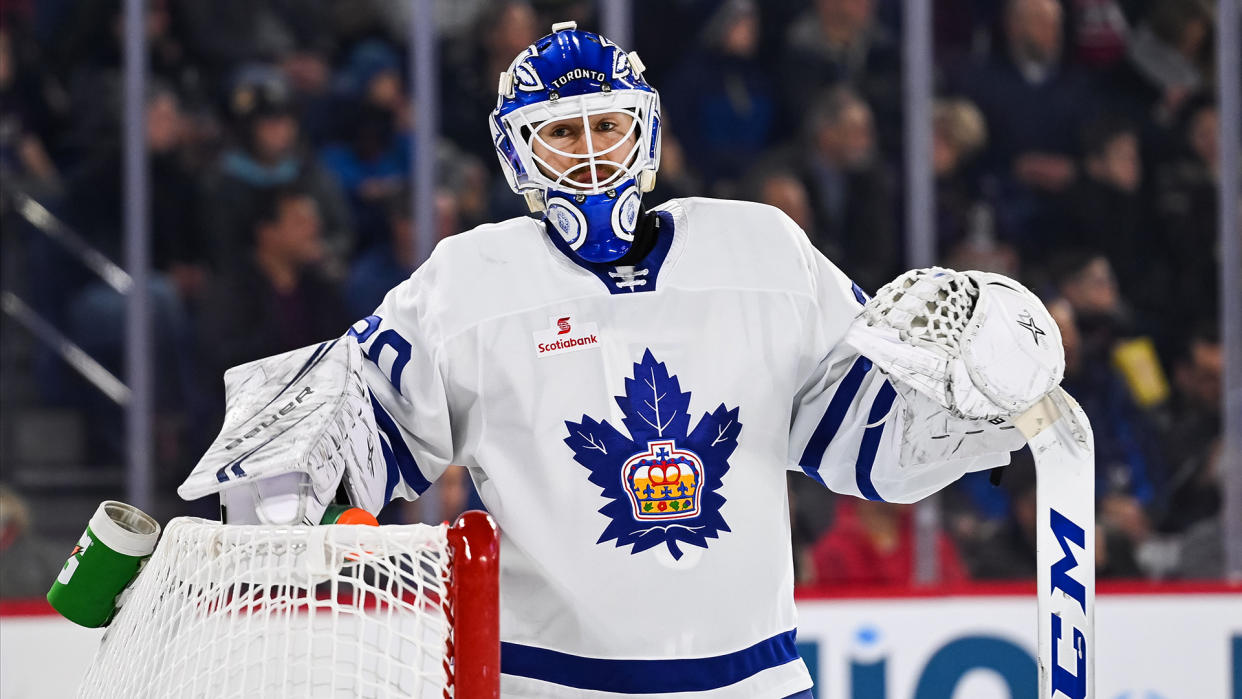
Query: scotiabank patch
[{"x": 565, "y": 335}]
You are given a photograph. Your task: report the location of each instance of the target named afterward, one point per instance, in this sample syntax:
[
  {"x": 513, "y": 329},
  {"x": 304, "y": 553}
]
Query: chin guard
[{"x": 596, "y": 227}]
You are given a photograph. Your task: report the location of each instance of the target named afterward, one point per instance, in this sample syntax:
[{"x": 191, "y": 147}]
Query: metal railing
[{"x": 45, "y": 223}]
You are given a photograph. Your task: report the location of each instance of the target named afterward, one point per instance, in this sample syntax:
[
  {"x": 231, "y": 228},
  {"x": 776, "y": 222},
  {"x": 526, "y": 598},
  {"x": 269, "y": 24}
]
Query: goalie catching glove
[
  {"x": 979, "y": 344},
  {"x": 297, "y": 426}
]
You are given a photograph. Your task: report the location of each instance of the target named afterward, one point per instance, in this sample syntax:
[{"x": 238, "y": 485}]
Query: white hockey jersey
[{"x": 630, "y": 429}]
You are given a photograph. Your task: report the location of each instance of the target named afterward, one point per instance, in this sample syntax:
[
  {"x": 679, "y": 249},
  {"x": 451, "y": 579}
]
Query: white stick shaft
[{"x": 1060, "y": 438}]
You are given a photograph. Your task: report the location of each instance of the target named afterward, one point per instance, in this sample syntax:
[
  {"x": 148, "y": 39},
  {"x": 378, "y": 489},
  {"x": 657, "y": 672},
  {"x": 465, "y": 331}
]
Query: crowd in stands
[{"x": 1074, "y": 148}]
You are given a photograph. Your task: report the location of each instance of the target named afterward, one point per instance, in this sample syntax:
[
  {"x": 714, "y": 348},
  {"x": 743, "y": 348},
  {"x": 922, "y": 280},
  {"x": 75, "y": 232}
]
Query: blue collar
[{"x": 642, "y": 277}]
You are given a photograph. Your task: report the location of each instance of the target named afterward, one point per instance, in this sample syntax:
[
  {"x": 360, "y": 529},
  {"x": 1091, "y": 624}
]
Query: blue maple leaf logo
[{"x": 661, "y": 481}]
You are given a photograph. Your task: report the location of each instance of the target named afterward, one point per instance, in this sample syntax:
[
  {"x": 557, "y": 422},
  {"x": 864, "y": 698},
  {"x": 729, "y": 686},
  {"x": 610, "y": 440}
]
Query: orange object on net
[{"x": 343, "y": 514}]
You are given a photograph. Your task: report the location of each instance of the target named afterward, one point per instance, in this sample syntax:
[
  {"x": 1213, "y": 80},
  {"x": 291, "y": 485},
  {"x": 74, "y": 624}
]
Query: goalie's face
[{"x": 586, "y": 152}]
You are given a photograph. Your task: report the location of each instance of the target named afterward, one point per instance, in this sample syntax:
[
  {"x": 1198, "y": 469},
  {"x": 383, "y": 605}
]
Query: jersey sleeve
[
  {"x": 852, "y": 430},
  {"x": 405, "y": 375}
]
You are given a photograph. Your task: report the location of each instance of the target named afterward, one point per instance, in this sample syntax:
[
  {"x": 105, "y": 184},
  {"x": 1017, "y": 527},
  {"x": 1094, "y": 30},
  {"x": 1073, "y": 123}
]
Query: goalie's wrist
[{"x": 287, "y": 498}]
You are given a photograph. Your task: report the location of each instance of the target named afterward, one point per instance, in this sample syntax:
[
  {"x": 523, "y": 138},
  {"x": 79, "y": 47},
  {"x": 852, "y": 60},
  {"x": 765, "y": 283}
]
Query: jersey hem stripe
[{"x": 647, "y": 676}]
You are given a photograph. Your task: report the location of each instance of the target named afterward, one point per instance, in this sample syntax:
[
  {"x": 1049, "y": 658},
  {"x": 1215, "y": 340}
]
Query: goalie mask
[{"x": 577, "y": 132}]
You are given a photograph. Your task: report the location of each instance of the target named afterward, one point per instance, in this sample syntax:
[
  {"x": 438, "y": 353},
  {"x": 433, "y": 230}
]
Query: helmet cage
[{"x": 516, "y": 132}]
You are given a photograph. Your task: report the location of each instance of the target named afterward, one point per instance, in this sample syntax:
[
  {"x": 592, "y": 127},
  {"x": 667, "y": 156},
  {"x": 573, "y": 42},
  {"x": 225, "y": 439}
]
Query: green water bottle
[{"x": 106, "y": 559}]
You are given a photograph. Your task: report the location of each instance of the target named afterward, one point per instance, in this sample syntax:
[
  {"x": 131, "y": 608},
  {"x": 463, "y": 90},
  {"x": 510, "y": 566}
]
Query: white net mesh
[
  {"x": 928, "y": 307},
  {"x": 259, "y": 611}
]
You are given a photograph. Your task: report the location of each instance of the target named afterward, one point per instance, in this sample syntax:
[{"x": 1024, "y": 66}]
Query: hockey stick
[{"x": 1060, "y": 438}]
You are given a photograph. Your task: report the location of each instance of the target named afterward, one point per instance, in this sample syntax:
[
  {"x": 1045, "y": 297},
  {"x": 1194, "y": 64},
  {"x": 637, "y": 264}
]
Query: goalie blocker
[{"x": 298, "y": 426}]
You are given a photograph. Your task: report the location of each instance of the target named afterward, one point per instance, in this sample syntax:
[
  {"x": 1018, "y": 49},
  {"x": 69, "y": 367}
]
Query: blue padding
[
  {"x": 830, "y": 423},
  {"x": 871, "y": 441},
  {"x": 647, "y": 676},
  {"x": 399, "y": 453}
]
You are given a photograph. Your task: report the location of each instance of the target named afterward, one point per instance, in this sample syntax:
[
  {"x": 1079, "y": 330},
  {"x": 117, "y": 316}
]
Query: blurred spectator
[
  {"x": 840, "y": 42},
  {"x": 1034, "y": 108},
  {"x": 1107, "y": 213},
  {"x": 1192, "y": 493},
  {"x": 276, "y": 298},
  {"x": 966, "y": 226},
  {"x": 959, "y": 133},
  {"x": 961, "y": 28},
  {"x": 1166, "y": 59},
  {"x": 1186, "y": 540},
  {"x": 178, "y": 247},
  {"x": 1098, "y": 32},
  {"x": 375, "y": 162},
  {"x": 24, "y": 160},
  {"x": 387, "y": 263},
  {"x": 677, "y": 178},
  {"x": 783, "y": 189},
  {"x": 1004, "y": 548},
  {"x": 372, "y": 75},
  {"x": 850, "y": 190},
  {"x": 28, "y": 564},
  {"x": 1200, "y": 548},
  {"x": 96, "y": 323},
  {"x": 469, "y": 71},
  {"x": 467, "y": 179},
  {"x": 1186, "y": 203},
  {"x": 353, "y": 20},
  {"x": 268, "y": 155},
  {"x": 872, "y": 543},
  {"x": 224, "y": 34},
  {"x": 722, "y": 90},
  {"x": 310, "y": 83},
  {"x": 88, "y": 51},
  {"x": 383, "y": 265},
  {"x": 664, "y": 44},
  {"x": 1128, "y": 458},
  {"x": 95, "y": 187}
]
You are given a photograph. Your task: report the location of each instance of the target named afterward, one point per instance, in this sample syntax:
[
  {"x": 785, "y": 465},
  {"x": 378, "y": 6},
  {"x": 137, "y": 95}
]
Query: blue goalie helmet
[{"x": 577, "y": 131}]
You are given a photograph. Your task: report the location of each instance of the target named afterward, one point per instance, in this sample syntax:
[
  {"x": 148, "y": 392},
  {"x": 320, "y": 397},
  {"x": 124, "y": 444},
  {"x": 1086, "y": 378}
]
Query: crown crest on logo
[{"x": 663, "y": 482}]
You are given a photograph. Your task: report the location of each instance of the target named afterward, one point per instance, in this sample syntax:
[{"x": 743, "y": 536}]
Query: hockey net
[{"x": 333, "y": 611}]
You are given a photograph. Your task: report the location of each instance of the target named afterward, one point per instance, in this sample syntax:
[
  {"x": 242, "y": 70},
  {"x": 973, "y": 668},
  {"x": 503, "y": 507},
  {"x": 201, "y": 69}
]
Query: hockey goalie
[{"x": 627, "y": 387}]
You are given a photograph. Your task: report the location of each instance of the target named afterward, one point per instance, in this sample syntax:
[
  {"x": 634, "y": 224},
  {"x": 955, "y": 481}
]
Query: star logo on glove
[{"x": 1026, "y": 321}]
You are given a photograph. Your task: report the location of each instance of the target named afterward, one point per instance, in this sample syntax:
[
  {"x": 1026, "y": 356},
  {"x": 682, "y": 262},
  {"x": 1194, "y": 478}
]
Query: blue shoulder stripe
[
  {"x": 830, "y": 423},
  {"x": 871, "y": 441},
  {"x": 647, "y": 676}
]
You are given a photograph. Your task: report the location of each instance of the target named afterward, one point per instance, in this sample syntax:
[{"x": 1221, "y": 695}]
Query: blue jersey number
[{"x": 386, "y": 338}]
